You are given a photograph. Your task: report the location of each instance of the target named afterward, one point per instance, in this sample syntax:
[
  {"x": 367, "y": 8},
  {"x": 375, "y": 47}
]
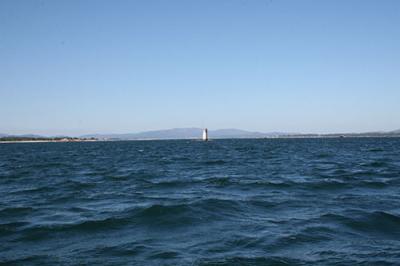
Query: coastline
[
  {"x": 43, "y": 141},
  {"x": 159, "y": 139}
]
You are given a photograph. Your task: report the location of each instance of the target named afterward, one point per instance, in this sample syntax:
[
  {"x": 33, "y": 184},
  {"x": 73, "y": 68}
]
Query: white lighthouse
[{"x": 205, "y": 134}]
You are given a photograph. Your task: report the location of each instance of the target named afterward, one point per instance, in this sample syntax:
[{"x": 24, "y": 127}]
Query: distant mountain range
[
  {"x": 186, "y": 133},
  {"x": 195, "y": 133},
  {"x": 21, "y": 136}
]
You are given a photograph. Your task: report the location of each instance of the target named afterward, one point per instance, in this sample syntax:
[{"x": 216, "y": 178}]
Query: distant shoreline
[
  {"x": 195, "y": 133},
  {"x": 198, "y": 139},
  {"x": 49, "y": 140}
]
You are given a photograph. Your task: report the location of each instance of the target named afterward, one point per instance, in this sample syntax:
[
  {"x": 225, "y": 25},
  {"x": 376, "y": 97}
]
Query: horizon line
[{"x": 5, "y": 132}]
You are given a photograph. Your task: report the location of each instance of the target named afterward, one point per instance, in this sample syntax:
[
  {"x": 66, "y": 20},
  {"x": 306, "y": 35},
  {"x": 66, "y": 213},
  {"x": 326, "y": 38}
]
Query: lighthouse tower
[{"x": 205, "y": 134}]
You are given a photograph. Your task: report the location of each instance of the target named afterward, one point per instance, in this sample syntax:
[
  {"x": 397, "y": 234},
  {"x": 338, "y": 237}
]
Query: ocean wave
[
  {"x": 33, "y": 190},
  {"x": 375, "y": 164},
  {"x": 30, "y": 260},
  {"x": 34, "y": 232},
  {"x": 377, "y": 223},
  {"x": 15, "y": 211},
  {"x": 214, "y": 162},
  {"x": 275, "y": 261},
  {"x": 11, "y": 227},
  {"x": 124, "y": 249},
  {"x": 164, "y": 255},
  {"x": 307, "y": 236},
  {"x": 155, "y": 216}
]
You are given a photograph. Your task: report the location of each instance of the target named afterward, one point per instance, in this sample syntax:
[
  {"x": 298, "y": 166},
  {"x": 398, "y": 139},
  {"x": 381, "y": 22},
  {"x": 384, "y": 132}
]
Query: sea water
[{"x": 187, "y": 202}]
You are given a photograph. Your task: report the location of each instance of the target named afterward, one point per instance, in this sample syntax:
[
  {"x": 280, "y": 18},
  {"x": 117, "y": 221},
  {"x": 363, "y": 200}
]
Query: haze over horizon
[
  {"x": 191, "y": 132},
  {"x": 74, "y": 68}
]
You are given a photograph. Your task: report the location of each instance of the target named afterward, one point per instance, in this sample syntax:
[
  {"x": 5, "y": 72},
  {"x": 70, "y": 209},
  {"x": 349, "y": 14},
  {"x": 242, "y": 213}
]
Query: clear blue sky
[{"x": 74, "y": 67}]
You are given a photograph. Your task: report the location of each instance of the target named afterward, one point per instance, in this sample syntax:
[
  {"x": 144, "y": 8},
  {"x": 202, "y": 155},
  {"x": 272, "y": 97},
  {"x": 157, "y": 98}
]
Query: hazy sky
[{"x": 72, "y": 67}]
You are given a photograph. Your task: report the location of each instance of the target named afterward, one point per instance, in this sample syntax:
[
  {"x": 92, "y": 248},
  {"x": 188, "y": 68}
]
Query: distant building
[{"x": 205, "y": 134}]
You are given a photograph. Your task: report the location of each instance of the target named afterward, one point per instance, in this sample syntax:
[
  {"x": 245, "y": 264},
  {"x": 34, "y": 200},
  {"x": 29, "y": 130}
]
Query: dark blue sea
[{"x": 186, "y": 202}]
